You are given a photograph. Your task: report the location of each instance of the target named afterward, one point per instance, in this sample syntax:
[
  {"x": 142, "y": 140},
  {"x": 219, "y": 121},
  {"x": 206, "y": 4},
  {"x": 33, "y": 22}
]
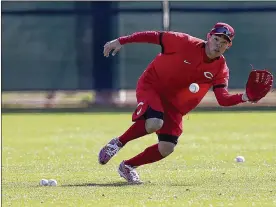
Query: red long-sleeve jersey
[{"x": 183, "y": 61}]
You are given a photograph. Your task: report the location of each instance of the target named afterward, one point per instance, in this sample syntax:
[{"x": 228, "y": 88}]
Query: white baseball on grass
[
  {"x": 240, "y": 159},
  {"x": 194, "y": 87},
  {"x": 52, "y": 182},
  {"x": 43, "y": 182}
]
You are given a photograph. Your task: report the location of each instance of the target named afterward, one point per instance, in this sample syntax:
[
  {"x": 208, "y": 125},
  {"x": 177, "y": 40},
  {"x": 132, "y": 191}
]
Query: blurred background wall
[{"x": 48, "y": 46}]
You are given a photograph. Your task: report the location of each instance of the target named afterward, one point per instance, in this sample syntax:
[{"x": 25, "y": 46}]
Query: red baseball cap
[{"x": 223, "y": 29}]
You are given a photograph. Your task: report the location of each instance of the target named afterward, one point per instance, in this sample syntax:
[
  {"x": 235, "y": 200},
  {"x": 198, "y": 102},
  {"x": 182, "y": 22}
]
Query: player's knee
[
  {"x": 165, "y": 148},
  {"x": 153, "y": 124}
]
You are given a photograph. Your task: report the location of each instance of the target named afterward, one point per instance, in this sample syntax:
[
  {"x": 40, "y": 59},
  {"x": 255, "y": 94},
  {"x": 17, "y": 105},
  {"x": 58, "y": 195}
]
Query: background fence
[{"x": 58, "y": 45}]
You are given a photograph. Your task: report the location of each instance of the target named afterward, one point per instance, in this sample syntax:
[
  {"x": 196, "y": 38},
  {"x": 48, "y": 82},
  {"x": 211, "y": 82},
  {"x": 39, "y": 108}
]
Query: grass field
[{"x": 201, "y": 171}]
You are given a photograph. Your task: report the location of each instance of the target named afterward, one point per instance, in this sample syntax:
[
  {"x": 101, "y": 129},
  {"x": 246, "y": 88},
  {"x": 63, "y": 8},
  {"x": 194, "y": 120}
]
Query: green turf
[{"x": 201, "y": 171}]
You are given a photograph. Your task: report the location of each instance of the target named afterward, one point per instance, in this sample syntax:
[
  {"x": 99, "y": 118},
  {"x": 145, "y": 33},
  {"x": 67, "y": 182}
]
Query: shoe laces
[
  {"x": 132, "y": 172},
  {"x": 112, "y": 149}
]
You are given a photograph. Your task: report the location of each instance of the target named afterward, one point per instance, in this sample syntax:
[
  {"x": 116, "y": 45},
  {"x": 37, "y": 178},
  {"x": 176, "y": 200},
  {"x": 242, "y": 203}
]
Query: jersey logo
[
  {"x": 140, "y": 104},
  {"x": 208, "y": 75},
  {"x": 185, "y": 61}
]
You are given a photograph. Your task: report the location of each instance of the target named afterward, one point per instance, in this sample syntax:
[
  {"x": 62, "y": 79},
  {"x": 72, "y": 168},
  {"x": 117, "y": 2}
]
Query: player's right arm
[{"x": 170, "y": 42}]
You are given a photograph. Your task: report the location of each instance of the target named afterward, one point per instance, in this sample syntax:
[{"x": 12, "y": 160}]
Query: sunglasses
[{"x": 222, "y": 30}]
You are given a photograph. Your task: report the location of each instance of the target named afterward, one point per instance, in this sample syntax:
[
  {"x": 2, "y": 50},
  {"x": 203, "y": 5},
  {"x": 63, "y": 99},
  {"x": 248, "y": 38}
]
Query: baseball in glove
[{"x": 259, "y": 83}]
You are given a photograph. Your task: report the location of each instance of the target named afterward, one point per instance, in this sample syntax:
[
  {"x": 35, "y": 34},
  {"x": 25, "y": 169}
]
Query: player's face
[{"x": 217, "y": 45}]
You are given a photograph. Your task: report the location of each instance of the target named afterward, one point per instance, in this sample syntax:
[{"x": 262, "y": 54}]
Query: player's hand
[
  {"x": 112, "y": 45},
  {"x": 245, "y": 97}
]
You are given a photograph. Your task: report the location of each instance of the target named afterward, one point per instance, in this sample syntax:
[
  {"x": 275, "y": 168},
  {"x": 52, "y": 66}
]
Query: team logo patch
[
  {"x": 139, "y": 108},
  {"x": 140, "y": 111},
  {"x": 208, "y": 75}
]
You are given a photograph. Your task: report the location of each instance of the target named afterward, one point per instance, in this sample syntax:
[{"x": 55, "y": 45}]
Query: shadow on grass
[
  {"x": 187, "y": 185},
  {"x": 115, "y": 184},
  {"x": 121, "y": 184}
]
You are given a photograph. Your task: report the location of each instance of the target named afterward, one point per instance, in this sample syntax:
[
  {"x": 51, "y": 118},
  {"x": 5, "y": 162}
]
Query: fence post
[{"x": 103, "y": 68}]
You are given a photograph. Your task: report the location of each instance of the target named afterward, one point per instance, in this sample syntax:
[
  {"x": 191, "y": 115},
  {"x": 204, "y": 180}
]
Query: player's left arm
[
  {"x": 224, "y": 98},
  {"x": 220, "y": 88},
  {"x": 259, "y": 83}
]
